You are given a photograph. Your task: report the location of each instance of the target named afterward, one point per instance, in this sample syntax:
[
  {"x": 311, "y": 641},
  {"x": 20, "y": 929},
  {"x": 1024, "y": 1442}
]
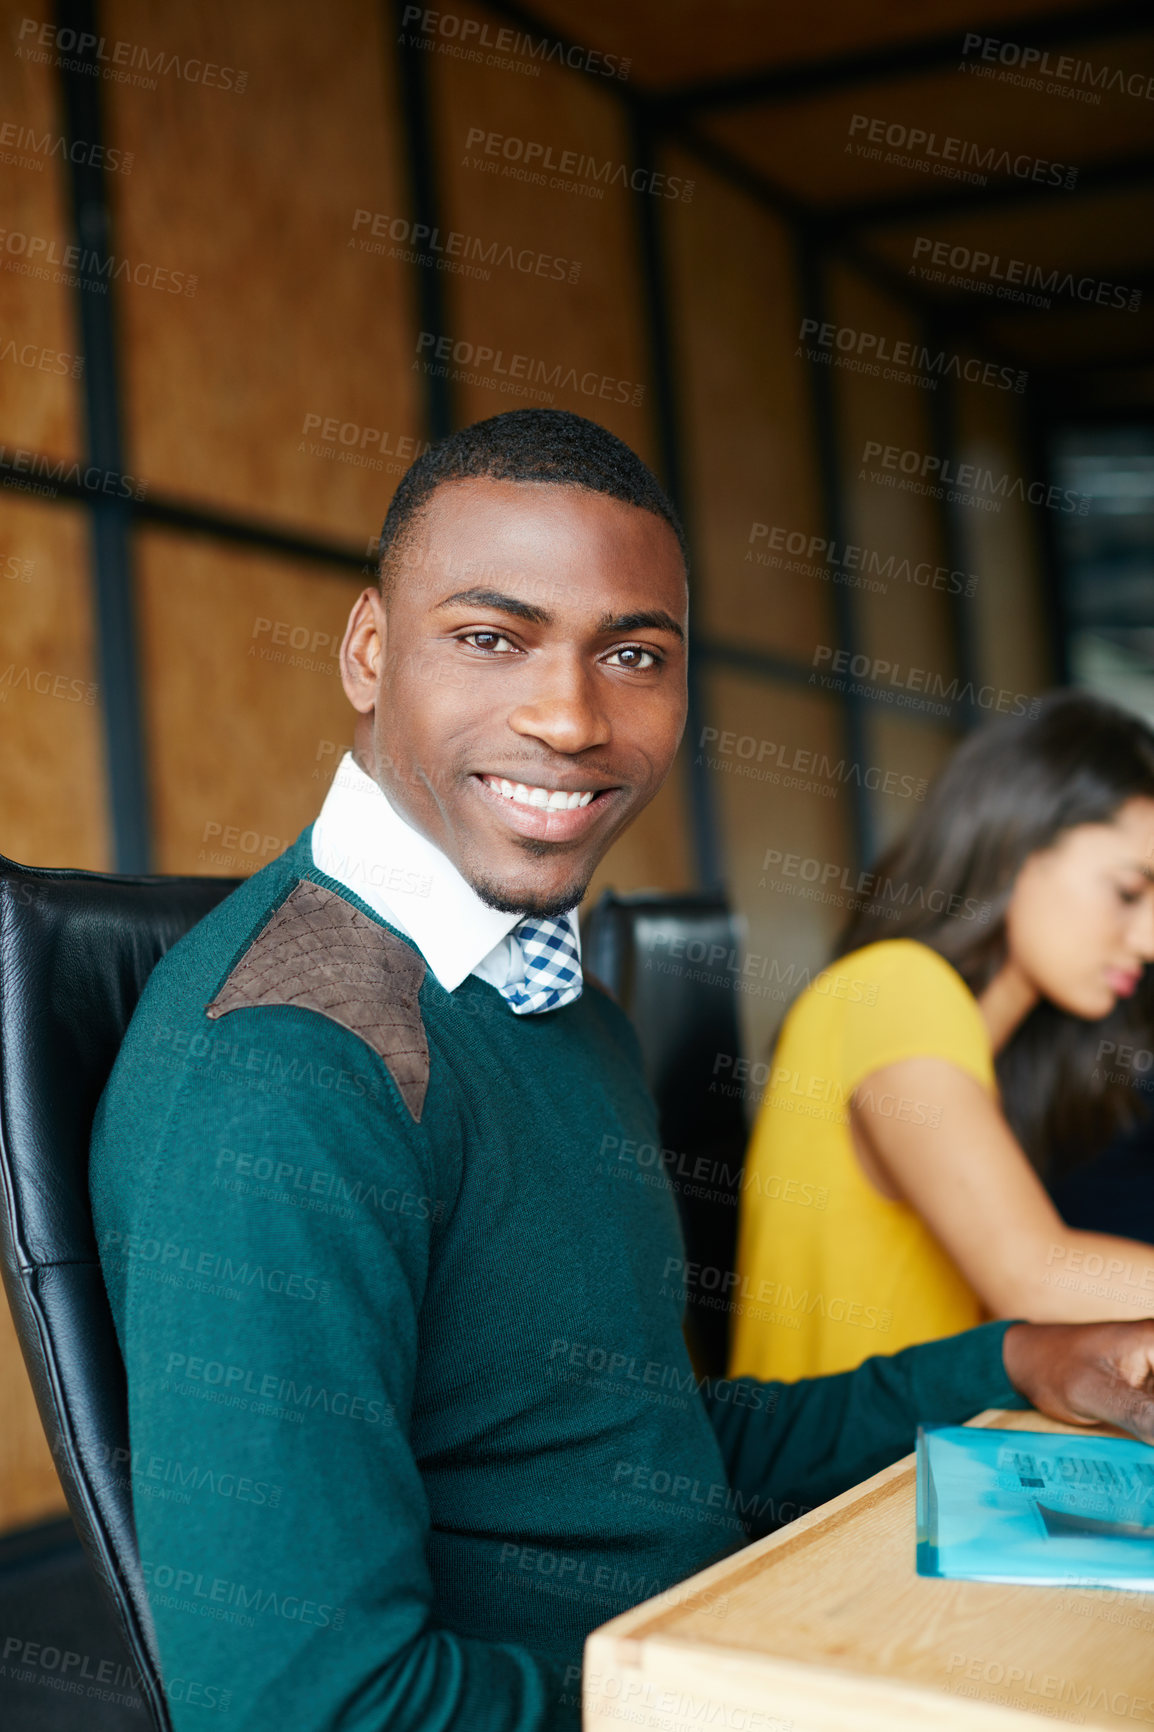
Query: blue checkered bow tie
[{"x": 552, "y": 969}]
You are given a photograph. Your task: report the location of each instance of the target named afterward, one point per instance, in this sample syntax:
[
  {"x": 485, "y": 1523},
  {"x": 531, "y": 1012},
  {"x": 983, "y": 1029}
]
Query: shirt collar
[{"x": 360, "y": 839}]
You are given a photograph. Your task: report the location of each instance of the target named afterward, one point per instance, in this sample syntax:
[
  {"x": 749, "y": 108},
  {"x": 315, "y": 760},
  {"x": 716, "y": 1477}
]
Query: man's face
[{"x": 532, "y": 652}]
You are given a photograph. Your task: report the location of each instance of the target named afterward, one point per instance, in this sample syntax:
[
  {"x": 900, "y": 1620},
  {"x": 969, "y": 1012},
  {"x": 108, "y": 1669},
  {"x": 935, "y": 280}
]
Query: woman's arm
[{"x": 937, "y": 1135}]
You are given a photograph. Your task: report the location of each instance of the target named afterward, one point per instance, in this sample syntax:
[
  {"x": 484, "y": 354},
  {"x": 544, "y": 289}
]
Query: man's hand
[{"x": 1086, "y": 1373}]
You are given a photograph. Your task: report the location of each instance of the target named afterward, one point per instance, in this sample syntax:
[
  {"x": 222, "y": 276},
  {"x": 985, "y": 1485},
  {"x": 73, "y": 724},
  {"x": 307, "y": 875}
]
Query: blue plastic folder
[{"x": 1035, "y": 1506}]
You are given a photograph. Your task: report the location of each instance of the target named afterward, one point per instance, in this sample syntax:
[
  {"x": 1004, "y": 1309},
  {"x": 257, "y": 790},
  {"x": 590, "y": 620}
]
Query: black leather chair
[
  {"x": 75, "y": 951},
  {"x": 670, "y": 962}
]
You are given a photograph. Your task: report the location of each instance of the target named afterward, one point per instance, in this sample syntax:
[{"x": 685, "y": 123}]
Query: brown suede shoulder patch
[{"x": 320, "y": 953}]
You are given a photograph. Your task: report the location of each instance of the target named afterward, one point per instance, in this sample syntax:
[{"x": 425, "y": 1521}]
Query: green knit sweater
[{"x": 410, "y": 1407}]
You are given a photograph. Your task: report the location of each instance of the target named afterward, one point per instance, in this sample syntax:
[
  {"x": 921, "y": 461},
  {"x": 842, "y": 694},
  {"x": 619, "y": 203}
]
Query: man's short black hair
[{"x": 524, "y": 445}]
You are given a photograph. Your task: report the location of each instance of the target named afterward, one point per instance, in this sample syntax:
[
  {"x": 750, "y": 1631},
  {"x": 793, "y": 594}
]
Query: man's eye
[
  {"x": 635, "y": 649},
  {"x": 485, "y": 640}
]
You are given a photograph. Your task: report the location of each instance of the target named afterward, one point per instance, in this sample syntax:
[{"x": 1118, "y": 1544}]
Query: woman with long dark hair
[{"x": 986, "y": 1020}]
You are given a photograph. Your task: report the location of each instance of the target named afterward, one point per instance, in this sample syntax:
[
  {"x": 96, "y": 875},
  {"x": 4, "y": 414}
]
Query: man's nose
[{"x": 563, "y": 708}]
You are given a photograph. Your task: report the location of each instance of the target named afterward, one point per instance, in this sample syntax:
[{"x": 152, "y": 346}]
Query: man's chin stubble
[{"x": 543, "y": 907}]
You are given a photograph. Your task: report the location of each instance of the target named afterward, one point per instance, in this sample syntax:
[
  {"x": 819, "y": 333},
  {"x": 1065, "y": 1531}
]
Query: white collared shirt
[{"x": 361, "y": 840}]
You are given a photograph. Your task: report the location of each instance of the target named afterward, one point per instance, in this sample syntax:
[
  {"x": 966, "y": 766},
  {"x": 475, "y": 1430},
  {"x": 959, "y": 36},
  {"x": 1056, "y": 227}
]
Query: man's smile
[
  {"x": 544, "y": 811},
  {"x": 557, "y": 799}
]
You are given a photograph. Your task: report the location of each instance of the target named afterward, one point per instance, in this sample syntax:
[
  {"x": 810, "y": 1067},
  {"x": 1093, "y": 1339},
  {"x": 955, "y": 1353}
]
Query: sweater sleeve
[
  {"x": 271, "y": 1260},
  {"x": 788, "y": 1447}
]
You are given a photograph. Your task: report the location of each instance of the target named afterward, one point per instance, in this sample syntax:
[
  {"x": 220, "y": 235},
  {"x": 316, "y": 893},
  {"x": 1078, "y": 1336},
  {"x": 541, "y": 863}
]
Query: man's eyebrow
[
  {"x": 655, "y": 619},
  {"x": 504, "y": 604}
]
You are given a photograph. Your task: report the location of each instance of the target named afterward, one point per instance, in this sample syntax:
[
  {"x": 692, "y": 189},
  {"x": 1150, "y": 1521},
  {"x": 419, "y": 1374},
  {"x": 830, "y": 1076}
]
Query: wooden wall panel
[
  {"x": 29, "y": 1488},
  {"x": 291, "y": 318},
  {"x": 580, "y": 343},
  {"x": 244, "y": 710},
  {"x": 793, "y": 906},
  {"x": 1010, "y": 602},
  {"x": 904, "y": 622},
  {"x": 910, "y": 758},
  {"x": 40, "y": 360},
  {"x": 52, "y": 813},
  {"x": 52, "y": 774},
  {"x": 51, "y": 749},
  {"x": 745, "y": 410}
]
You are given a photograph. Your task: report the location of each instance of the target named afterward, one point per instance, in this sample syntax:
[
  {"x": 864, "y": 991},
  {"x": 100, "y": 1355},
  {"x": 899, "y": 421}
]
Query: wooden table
[{"x": 827, "y": 1627}]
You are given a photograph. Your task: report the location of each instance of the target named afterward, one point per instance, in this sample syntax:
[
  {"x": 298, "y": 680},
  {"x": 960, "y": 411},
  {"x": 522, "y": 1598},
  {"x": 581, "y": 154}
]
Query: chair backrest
[
  {"x": 673, "y": 963},
  {"x": 75, "y": 951}
]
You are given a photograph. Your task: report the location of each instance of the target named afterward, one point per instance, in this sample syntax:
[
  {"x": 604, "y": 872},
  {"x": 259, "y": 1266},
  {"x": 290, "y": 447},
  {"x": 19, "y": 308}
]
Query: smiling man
[{"x": 410, "y": 1406}]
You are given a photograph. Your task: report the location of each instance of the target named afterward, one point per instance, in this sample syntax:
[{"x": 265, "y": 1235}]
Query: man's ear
[{"x": 363, "y": 650}]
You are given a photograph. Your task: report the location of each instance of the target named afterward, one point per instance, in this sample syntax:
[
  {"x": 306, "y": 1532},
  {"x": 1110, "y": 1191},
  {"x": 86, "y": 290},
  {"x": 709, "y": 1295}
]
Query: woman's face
[{"x": 1080, "y": 924}]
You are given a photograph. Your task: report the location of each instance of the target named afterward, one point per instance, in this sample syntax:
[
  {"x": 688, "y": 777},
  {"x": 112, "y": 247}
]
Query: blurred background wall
[{"x": 868, "y": 287}]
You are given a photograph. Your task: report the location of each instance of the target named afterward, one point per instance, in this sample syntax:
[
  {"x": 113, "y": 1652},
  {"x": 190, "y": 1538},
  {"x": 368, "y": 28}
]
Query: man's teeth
[{"x": 556, "y": 799}]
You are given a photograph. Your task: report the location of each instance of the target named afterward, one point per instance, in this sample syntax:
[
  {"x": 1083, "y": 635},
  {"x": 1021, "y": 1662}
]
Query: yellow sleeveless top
[{"x": 829, "y": 1271}]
